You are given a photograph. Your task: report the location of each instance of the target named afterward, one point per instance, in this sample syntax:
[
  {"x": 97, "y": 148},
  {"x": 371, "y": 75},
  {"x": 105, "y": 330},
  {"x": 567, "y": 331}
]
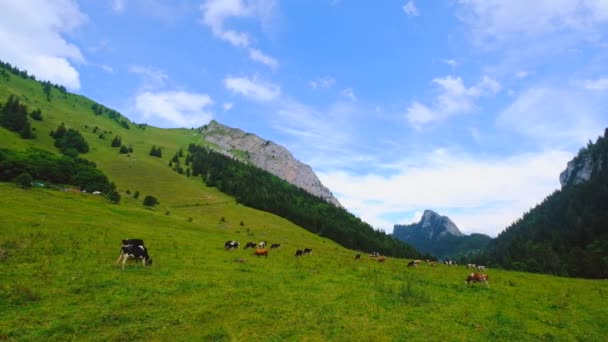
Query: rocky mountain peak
[
  {"x": 438, "y": 226},
  {"x": 266, "y": 155},
  {"x": 589, "y": 160}
]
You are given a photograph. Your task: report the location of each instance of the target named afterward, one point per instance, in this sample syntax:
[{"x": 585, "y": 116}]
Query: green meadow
[{"x": 59, "y": 281}]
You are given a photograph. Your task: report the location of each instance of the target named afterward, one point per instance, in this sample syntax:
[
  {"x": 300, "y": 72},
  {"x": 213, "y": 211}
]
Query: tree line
[
  {"x": 44, "y": 166},
  {"x": 262, "y": 190}
]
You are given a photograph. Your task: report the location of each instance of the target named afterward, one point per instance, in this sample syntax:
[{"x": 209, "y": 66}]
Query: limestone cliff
[{"x": 266, "y": 155}]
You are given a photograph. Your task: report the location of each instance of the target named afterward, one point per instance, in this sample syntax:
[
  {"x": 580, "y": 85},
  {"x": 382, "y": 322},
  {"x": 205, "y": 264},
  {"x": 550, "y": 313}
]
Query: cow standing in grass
[
  {"x": 261, "y": 252},
  {"x": 132, "y": 252},
  {"x": 477, "y": 278}
]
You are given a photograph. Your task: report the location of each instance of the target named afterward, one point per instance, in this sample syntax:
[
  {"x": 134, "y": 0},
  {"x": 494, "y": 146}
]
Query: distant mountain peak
[{"x": 437, "y": 226}]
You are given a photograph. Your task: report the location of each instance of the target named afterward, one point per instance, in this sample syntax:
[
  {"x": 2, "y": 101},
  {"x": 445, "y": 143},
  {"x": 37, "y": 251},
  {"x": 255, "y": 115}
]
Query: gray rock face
[
  {"x": 266, "y": 155},
  {"x": 438, "y": 226},
  {"x": 578, "y": 171}
]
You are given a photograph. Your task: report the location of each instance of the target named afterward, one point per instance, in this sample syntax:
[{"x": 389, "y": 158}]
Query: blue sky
[{"x": 471, "y": 108}]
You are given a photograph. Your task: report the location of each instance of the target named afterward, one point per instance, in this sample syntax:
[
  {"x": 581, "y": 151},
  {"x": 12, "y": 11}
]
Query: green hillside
[
  {"x": 138, "y": 171},
  {"x": 59, "y": 282}
]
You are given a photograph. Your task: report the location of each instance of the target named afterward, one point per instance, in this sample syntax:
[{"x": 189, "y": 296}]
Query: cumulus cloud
[
  {"x": 175, "y": 108},
  {"x": 480, "y": 194},
  {"x": 410, "y": 9},
  {"x": 252, "y": 88},
  {"x": 454, "y": 98},
  {"x": 217, "y": 12},
  {"x": 32, "y": 36}
]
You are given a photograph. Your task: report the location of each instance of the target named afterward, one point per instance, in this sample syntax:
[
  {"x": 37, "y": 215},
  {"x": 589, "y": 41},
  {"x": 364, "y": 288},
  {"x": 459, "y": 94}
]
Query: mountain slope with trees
[{"x": 567, "y": 234}]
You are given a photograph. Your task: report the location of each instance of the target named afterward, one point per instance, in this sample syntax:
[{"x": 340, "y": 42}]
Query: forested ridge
[
  {"x": 566, "y": 234},
  {"x": 261, "y": 190}
]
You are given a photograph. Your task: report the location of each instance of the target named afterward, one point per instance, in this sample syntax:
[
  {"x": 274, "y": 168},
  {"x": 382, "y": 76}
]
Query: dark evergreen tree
[{"x": 117, "y": 141}]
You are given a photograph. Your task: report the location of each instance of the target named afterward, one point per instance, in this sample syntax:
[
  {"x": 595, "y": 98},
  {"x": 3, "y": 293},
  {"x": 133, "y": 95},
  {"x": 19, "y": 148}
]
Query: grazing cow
[
  {"x": 230, "y": 245},
  {"x": 374, "y": 255},
  {"x": 307, "y": 250},
  {"x": 262, "y": 244},
  {"x": 358, "y": 256},
  {"x": 250, "y": 245},
  {"x": 275, "y": 245},
  {"x": 477, "y": 278},
  {"x": 481, "y": 267},
  {"x": 260, "y": 252},
  {"x": 133, "y": 242},
  {"x": 299, "y": 253},
  {"x": 381, "y": 259},
  {"x": 412, "y": 263},
  {"x": 134, "y": 252},
  {"x": 471, "y": 266}
]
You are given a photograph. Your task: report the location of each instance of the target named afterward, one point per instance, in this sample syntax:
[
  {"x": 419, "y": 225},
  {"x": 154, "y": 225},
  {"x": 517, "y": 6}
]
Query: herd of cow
[
  {"x": 260, "y": 248},
  {"x": 134, "y": 249}
]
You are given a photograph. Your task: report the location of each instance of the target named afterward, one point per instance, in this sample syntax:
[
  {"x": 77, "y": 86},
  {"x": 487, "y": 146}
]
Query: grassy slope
[{"x": 59, "y": 282}]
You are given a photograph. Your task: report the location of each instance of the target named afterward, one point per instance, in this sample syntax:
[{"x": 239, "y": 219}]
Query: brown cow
[
  {"x": 381, "y": 259},
  {"x": 477, "y": 278},
  {"x": 260, "y": 252}
]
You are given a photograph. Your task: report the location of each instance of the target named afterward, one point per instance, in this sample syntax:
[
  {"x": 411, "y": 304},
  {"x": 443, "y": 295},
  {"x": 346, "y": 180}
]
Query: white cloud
[
  {"x": 152, "y": 78},
  {"x": 258, "y": 56},
  {"x": 322, "y": 83},
  {"x": 479, "y": 195},
  {"x": 32, "y": 36},
  {"x": 227, "y": 106},
  {"x": 349, "y": 93},
  {"x": 499, "y": 21},
  {"x": 599, "y": 84},
  {"x": 521, "y": 74},
  {"x": 553, "y": 116},
  {"x": 454, "y": 98},
  {"x": 217, "y": 12},
  {"x": 252, "y": 88},
  {"x": 410, "y": 9},
  {"x": 118, "y": 6},
  {"x": 176, "y": 108}
]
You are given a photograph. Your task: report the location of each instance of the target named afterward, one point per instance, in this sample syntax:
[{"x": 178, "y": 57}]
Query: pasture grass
[{"x": 59, "y": 282}]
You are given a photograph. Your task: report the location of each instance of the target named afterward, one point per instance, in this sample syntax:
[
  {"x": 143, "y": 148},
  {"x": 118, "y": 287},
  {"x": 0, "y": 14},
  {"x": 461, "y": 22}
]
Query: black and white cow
[
  {"x": 262, "y": 244},
  {"x": 299, "y": 253},
  {"x": 229, "y": 245},
  {"x": 133, "y": 242},
  {"x": 358, "y": 256},
  {"x": 135, "y": 253},
  {"x": 275, "y": 245},
  {"x": 307, "y": 250},
  {"x": 250, "y": 245}
]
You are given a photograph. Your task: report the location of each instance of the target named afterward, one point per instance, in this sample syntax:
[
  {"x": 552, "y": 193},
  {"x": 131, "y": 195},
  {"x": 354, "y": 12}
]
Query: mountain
[
  {"x": 566, "y": 234},
  {"x": 266, "y": 155},
  {"x": 440, "y": 237}
]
